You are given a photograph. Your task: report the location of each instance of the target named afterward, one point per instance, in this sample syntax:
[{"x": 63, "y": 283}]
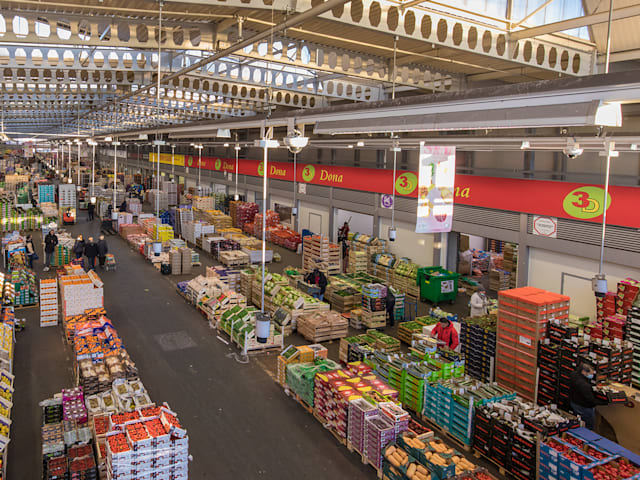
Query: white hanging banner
[{"x": 436, "y": 179}]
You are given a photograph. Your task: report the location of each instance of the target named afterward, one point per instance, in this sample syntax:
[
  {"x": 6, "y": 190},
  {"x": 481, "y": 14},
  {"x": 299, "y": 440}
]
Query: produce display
[
  {"x": 239, "y": 324},
  {"x": 242, "y": 212},
  {"x": 374, "y": 314},
  {"x": 25, "y": 289},
  {"x": 48, "y": 302},
  {"x": 406, "y": 277}
]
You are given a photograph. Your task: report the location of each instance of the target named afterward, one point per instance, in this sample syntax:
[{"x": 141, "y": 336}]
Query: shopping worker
[
  {"x": 446, "y": 333},
  {"x": 582, "y": 399},
  {"x": 479, "y": 303}
]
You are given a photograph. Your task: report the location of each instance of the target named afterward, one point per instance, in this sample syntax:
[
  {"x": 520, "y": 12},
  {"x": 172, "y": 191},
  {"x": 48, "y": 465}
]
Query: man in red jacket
[{"x": 446, "y": 333}]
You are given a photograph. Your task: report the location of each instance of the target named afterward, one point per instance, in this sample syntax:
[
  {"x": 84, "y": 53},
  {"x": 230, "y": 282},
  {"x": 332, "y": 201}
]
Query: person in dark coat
[
  {"x": 103, "y": 249},
  {"x": 50, "y": 242},
  {"x": 581, "y": 397},
  {"x": 31, "y": 250},
  {"x": 90, "y": 209},
  {"x": 78, "y": 247},
  {"x": 109, "y": 211},
  {"x": 391, "y": 304},
  {"x": 316, "y": 277},
  {"x": 123, "y": 205},
  {"x": 91, "y": 252}
]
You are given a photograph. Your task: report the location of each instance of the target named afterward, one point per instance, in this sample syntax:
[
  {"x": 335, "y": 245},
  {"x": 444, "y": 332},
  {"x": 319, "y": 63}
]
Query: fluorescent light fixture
[
  {"x": 225, "y": 145},
  {"x": 108, "y": 139},
  {"x": 93, "y": 200},
  {"x": 609, "y": 115},
  {"x": 115, "y": 143},
  {"x": 266, "y": 143},
  {"x": 525, "y": 145},
  {"x": 92, "y": 143},
  {"x": 236, "y": 197},
  {"x": 360, "y": 143},
  {"x": 634, "y": 146},
  {"x": 224, "y": 133},
  {"x": 70, "y": 181},
  {"x": 159, "y": 142},
  {"x": 143, "y": 136},
  {"x": 296, "y": 141},
  {"x": 350, "y": 145},
  {"x": 237, "y": 147}
]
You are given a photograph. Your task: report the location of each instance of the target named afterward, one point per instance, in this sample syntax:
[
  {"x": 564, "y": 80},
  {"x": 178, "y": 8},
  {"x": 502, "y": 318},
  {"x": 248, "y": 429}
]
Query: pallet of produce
[
  {"x": 233, "y": 258},
  {"x": 322, "y": 326}
]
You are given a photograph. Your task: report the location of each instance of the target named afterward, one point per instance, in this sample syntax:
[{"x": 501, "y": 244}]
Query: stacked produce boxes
[
  {"x": 48, "y": 302},
  {"x": 478, "y": 345},
  {"x": 523, "y": 314},
  {"x": 374, "y": 313}
]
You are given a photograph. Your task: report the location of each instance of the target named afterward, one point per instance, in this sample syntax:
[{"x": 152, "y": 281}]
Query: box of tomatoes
[{"x": 614, "y": 468}]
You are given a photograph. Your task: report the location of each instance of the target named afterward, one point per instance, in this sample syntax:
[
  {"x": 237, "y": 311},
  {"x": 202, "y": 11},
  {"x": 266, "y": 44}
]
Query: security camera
[
  {"x": 599, "y": 285},
  {"x": 573, "y": 152}
]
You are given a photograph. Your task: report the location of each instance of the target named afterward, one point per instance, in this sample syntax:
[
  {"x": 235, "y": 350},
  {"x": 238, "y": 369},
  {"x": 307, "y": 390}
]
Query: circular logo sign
[
  {"x": 190, "y": 160},
  {"x": 406, "y": 183},
  {"x": 585, "y": 202},
  {"x": 261, "y": 169},
  {"x": 386, "y": 201},
  {"x": 218, "y": 164},
  {"x": 308, "y": 173}
]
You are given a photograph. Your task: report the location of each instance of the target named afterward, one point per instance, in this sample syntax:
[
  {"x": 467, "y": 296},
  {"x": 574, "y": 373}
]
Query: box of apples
[{"x": 616, "y": 468}]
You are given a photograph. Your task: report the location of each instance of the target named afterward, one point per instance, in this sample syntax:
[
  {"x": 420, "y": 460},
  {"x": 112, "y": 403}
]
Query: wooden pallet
[
  {"x": 308, "y": 408},
  {"x": 21, "y": 307}
]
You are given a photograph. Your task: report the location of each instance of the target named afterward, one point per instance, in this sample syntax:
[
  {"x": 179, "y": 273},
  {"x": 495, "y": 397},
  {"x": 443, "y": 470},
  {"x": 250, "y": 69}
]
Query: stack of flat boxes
[
  {"x": 48, "y": 302},
  {"x": 633, "y": 335},
  {"x": 175, "y": 260},
  {"x": 510, "y": 262},
  {"x": 78, "y": 293},
  {"x": 67, "y": 195},
  {"x": 185, "y": 252},
  {"x": 478, "y": 344},
  {"x": 523, "y": 314},
  {"x": 171, "y": 189}
]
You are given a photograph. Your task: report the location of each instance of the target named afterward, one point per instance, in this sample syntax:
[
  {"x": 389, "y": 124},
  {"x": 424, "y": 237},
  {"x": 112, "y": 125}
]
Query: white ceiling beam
[{"x": 602, "y": 17}]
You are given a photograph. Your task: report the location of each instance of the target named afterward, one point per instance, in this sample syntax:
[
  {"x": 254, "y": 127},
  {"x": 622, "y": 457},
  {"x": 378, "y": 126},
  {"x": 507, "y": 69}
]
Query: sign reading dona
[{"x": 537, "y": 197}]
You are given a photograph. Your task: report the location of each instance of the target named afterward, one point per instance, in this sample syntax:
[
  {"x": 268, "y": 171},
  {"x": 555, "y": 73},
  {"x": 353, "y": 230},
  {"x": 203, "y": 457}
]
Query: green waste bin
[{"x": 437, "y": 284}]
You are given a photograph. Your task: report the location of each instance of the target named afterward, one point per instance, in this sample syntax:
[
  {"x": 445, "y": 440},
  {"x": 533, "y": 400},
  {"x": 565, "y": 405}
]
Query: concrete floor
[{"x": 240, "y": 423}]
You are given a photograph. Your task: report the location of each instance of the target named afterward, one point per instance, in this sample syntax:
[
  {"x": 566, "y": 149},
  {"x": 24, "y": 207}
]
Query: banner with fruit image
[{"x": 436, "y": 176}]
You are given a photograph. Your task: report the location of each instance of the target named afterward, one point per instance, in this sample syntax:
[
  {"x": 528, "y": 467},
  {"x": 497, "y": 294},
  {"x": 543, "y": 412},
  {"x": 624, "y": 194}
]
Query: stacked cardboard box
[
  {"x": 633, "y": 335},
  {"x": 374, "y": 314},
  {"x": 150, "y": 445},
  {"x": 626, "y": 296},
  {"x": 357, "y": 262},
  {"x": 478, "y": 345},
  {"x": 523, "y": 314},
  {"x": 185, "y": 253},
  {"x": 67, "y": 195},
  {"x": 171, "y": 189},
  {"x": 48, "y": 302},
  {"x": 242, "y": 212},
  {"x": 203, "y": 203},
  {"x": 79, "y": 293},
  {"x": 510, "y": 262},
  {"x": 175, "y": 260},
  {"x": 499, "y": 280}
]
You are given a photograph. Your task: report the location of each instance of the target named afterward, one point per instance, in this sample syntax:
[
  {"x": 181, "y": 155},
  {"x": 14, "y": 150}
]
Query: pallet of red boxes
[{"x": 148, "y": 443}]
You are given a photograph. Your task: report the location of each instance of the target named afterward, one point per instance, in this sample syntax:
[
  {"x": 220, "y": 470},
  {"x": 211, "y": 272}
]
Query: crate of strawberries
[
  {"x": 573, "y": 462},
  {"x": 615, "y": 468}
]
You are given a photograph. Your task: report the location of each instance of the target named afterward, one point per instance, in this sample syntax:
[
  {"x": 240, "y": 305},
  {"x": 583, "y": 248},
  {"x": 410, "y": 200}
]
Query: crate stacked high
[
  {"x": 46, "y": 193},
  {"x": 67, "y": 195},
  {"x": 510, "y": 262},
  {"x": 381, "y": 265},
  {"x": 523, "y": 314},
  {"x": 203, "y": 203},
  {"x": 78, "y": 292},
  {"x": 171, "y": 189},
  {"x": 633, "y": 335},
  {"x": 48, "y": 302},
  {"x": 374, "y": 298},
  {"x": 319, "y": 252},
  {"x": 478, "y": 345},
  {"x": 357, "y": 262},
  {"x": 242, "y": 212}
]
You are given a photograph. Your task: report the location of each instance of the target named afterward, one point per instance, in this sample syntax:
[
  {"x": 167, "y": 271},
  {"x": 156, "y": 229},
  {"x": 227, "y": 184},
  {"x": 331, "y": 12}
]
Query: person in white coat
[{"x": 479, "y": 303}]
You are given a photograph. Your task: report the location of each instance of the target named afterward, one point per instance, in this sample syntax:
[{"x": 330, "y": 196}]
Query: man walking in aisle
[
  {"x": 91, "y": 252},
  {"x": 390, "y": 306},
  {"x": 78, "y": 247},
  {"x": 50, "y": 242},
  {"x": 103, "y": 249},
  {"x": 90, "y": 209}
]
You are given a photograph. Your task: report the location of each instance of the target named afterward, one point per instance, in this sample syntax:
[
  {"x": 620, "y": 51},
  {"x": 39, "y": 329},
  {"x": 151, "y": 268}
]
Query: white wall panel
[
  {"x": 313, "y": 216},
  {"x": 417, "y": 246},
  {"x": 546, "y": 269},
  {"x": 281, "y": 200},
  {"x": 358, "y": 222}
]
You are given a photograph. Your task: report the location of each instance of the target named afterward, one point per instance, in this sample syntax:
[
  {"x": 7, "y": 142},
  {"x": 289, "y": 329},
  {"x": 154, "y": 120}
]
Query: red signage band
[{"x": 538, "y": 197}]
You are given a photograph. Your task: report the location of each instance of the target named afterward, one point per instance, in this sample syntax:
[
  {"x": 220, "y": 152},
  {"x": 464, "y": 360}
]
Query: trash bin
[{"x": 437, "y": 284}]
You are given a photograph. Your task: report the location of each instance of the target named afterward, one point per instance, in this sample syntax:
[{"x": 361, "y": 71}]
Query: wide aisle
[{"x": 240, "y": 423}]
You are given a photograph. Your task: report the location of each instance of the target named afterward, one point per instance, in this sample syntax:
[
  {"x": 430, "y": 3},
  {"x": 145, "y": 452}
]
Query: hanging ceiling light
[{"x": 295, "y": 141}]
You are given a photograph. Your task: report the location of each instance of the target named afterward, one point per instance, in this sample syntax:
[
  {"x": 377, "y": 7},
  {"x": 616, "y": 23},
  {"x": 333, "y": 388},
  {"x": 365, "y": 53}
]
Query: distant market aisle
[{"x": 228, "y": 409}]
